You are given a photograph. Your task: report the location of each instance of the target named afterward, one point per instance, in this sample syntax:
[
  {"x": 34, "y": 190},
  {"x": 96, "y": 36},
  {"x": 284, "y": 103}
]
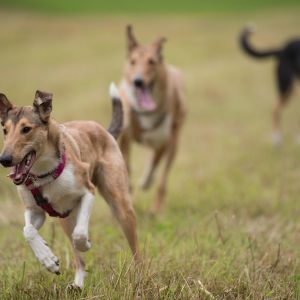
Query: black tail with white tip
[{"x": 116, "y": 124}]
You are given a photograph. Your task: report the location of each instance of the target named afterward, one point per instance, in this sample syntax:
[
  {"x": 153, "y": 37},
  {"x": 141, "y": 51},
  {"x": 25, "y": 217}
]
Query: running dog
[
  {"x": 57, "y": 167},
  {"x": 154, "y": 107},
  {"x": 288, "y": 69}
]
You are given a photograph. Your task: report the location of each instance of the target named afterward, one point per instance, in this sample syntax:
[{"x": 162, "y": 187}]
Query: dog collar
[
  {"x": 53, "y": 173},
  {"x": 37, "y": 194}
]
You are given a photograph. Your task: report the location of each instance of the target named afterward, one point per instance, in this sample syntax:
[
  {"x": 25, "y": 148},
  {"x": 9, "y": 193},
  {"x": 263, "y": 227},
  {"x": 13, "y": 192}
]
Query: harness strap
[{"x": 36, "y": 192}]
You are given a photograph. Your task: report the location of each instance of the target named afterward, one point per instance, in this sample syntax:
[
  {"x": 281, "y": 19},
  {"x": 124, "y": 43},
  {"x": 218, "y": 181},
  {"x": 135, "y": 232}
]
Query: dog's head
[
  {"x": 143, "y": 69},
  {"x": 25, "y": 132}
]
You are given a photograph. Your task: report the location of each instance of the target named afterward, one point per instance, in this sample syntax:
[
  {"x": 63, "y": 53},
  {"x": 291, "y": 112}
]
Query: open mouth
[
  {"x": 22, "y": 169},
  {"x": 144, "y": 98}
]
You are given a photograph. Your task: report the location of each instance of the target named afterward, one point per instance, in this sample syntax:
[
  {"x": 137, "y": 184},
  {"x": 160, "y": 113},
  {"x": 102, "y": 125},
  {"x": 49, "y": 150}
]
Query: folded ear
[
  {"x": 131, "y": 40},
  {"x": 158, "y": 44},
  {"x": 5, "y": 106},
  {"x": 43, "y": 105}
]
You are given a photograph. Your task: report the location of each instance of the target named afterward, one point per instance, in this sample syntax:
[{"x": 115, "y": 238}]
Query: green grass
[
  {"x": 154, "y": 6},
  {"x": 231, "y": 221}
]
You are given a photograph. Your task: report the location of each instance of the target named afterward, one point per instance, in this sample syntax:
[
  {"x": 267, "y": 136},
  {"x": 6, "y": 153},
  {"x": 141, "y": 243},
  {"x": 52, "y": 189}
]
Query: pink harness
[{"x": 37, "y": 193}]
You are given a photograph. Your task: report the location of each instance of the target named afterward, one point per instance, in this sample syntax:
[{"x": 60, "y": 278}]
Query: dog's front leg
[
  {"x": 33, "y": 222},
  {"x": 80, "y": 234}
]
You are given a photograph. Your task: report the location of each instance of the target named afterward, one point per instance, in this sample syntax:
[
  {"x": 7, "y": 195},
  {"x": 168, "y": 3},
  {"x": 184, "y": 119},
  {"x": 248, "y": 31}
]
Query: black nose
[
  {"x": 138, "y": 82},
  {"x": 6, "y": 160}
]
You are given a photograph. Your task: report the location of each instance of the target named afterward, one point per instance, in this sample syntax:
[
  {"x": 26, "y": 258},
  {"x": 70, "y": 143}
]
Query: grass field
[{"x": 230, "y": 228}]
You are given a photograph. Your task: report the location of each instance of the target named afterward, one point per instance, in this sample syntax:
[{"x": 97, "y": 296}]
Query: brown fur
[{"x": 167, "y": 89}]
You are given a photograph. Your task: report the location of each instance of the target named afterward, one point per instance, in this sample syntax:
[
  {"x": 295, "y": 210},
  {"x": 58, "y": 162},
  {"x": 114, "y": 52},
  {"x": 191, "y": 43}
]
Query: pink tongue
[
  {"x": 145, "y": 99},
  {"x": 20, "y": 170}
]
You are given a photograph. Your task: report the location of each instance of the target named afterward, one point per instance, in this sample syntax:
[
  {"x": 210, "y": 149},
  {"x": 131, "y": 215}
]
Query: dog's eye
[
  {"x": 25, "y": 129},
  {"x": 132, "y": 62},
  {"x": 151, "y": 62},
  {"x": 4, "y": 131}
]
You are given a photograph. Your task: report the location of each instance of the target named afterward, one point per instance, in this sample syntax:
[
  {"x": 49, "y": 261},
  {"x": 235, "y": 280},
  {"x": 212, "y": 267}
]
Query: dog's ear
[
  {"x": 43, "y": 105},
  {"x": 5, "y": 106},
  {"x": 131, "y": 40},
  {"x": 158, "y": 45}
]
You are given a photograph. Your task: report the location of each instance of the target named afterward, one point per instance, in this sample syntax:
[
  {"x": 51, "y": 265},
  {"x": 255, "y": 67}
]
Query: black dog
[{"x": 288, "y": 69}]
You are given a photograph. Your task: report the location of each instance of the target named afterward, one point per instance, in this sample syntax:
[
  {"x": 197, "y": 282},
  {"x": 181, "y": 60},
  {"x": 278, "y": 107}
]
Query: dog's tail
[
  {"x": 244, "y": 42},
  {"x": 116, "y": 123}
]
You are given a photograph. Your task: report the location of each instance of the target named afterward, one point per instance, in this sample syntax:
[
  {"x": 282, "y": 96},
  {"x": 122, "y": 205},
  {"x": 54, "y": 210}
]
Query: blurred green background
[
  {"x": 154, "y": 6},
  {"x": 231, "y": 220}
]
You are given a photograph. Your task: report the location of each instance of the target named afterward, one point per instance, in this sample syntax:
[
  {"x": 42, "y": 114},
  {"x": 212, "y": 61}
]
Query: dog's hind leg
[
  {"x": 285, "y": 84},
  {"x": 113, "y": 185},
  {"x": 68, "y": 224},
  {"x": 147, "y": 178},
  {"x": 34, "y": 219}
]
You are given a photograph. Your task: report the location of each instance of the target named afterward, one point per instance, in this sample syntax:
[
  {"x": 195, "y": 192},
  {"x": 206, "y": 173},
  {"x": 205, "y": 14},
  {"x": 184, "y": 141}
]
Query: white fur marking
[
  {"x": 64, "y": 193},
  {"x": 79, "y": 277},
  {"x": 40, "y": 249},
  {"x": 80, "y": 233},
  {"x": 113, "y": 91},
  {"x": 159, "y": 136}
]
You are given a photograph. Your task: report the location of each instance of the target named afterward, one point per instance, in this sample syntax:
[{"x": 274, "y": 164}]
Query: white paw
[
  {"x": 79, "y": 278},
  {"x": 41, "y": 250},
  {"x": 45, "y": 255},
  {"x": 80, "y": 239},
  {"x": 50, "y": 261},
  {"x": 277, "y": 139}
]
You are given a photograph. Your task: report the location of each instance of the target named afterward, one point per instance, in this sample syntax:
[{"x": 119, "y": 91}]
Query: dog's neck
[{"x": 52, "y": 151}]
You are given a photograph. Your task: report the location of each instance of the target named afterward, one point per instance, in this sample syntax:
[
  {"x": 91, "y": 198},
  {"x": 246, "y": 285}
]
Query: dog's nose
[
  {"x": 138, "y": 82},
  {"x": 6, "y": 160}
]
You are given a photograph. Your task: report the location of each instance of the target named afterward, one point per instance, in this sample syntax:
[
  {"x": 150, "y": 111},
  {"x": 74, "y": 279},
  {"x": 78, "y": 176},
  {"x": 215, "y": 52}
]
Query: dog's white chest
[
  {"x": 156, "y": 137},
  {"x": 62, "y": 193}
]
